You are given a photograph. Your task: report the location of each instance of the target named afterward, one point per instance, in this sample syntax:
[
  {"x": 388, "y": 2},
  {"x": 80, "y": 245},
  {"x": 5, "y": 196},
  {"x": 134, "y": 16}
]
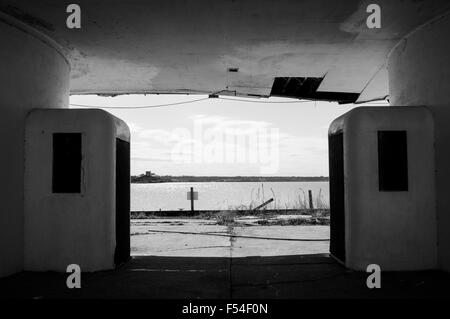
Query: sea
[{"x": 228, "y": 195}]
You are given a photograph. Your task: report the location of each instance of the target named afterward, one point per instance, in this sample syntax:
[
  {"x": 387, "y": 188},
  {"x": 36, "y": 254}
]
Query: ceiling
[{"x": 189, "y": 46}]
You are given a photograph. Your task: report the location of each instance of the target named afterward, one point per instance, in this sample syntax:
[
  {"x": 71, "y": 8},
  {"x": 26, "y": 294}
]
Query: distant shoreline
[{"x": 144, "y": 179}]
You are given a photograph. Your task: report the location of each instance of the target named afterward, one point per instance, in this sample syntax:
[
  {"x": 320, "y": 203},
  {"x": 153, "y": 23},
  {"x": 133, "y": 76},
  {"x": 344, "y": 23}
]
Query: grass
[
  {"x": 294, "y": 222},
  {"x": 225, "y": 218},
  {"x": 231, "y": 218},
  {"x": 301, "y": 202}
]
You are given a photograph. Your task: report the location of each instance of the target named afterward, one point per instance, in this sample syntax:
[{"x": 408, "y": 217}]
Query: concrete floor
[
  {"x": 305, "y": 276},
  {"x": 174, "y": 261},
  {"x": 205, "y": 238}
]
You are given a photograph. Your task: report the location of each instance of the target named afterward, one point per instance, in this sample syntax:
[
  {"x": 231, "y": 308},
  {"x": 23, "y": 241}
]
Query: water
[{"x": 227, "y": 195}]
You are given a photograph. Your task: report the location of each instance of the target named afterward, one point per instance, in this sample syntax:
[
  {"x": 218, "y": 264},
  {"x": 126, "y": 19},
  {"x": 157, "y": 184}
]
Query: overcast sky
[{"x": 224, "y": 137}]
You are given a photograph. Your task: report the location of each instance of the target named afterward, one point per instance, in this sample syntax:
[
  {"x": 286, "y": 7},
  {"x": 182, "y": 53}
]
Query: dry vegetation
[{"x": 299, "y": 212}]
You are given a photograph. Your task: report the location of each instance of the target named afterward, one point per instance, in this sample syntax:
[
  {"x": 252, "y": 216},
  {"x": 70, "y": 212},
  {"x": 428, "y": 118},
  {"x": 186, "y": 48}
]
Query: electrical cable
[
  {"x": 139, "y": 107},
  {"x": 183, "y": 102},
  {"x": 233, "y": 236},
  {"x": 193, "y": 101}
]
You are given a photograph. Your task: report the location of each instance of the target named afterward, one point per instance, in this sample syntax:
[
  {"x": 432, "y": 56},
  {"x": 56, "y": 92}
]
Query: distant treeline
[{"x": 197, "y": 179}]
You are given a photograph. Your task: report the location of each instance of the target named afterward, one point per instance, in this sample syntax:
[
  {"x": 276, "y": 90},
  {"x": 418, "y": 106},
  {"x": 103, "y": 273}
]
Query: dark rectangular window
[
  {"x": 122, "y": 252},
  {"x": 66, "y": 163},
  {"x": 337, "y": 195},
  {"x": 392, "y": 161}
]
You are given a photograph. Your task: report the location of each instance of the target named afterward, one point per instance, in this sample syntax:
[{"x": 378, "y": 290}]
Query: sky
[{"x": 224, "y": 136}]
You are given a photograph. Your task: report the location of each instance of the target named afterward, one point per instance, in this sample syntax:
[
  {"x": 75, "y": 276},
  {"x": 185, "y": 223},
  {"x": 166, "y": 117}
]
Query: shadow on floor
[{"x": 300, "y": 276}]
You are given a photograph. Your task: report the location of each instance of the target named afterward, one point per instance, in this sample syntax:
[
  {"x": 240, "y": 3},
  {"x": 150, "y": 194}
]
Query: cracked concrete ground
[{"x": 205, "y": 238}]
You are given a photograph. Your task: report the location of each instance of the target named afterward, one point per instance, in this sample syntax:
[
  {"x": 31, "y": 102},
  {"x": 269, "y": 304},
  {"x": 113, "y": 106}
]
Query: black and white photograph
[{"x": 224, "y": 158}]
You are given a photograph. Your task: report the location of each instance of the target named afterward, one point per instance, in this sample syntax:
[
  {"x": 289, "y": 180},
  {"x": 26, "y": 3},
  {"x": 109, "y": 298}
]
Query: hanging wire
[
  {"x": 198, "y": 100},
  {"x": 139, "y": 107}
]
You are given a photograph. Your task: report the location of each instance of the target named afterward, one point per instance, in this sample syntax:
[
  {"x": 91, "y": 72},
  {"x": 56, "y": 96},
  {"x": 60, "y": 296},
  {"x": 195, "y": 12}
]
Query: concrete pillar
[
  {"x": 419, "y": 74},
  {"x": 33, "y": 74}
]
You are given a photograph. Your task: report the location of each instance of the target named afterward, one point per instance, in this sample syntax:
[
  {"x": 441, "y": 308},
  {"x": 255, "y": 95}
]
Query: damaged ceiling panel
[{"x": 306, "y": 88}]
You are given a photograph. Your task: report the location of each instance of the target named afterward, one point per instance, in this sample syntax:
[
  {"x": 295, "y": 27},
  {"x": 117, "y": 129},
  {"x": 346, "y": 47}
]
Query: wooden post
[
  {"x": 311, "y": 206},
  {"x": 264, "y": 204},
  {"x": 192, "y": 199}
]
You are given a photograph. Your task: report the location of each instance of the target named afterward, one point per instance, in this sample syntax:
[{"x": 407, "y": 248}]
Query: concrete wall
[
  {"x": 419, "y": 74},
  {"x": 394, "y": 229},
  {"x": 33, "y": 74},
  {"x": 61, "y": 229}
]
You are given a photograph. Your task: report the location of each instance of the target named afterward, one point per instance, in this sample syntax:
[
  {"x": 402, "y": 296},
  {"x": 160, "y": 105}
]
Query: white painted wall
[
  {"x": 419, "y": 74},
  {"x": 33, "y": 74},
  {"x": 396, "y": 230},
  {"x": 61, "y": 229}
]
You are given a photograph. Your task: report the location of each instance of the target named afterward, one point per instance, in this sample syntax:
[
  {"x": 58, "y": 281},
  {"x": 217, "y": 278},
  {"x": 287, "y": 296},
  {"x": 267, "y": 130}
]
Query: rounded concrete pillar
[
  {"x": 34, "y": 74},
  {"x": 419, "y": 74}
]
